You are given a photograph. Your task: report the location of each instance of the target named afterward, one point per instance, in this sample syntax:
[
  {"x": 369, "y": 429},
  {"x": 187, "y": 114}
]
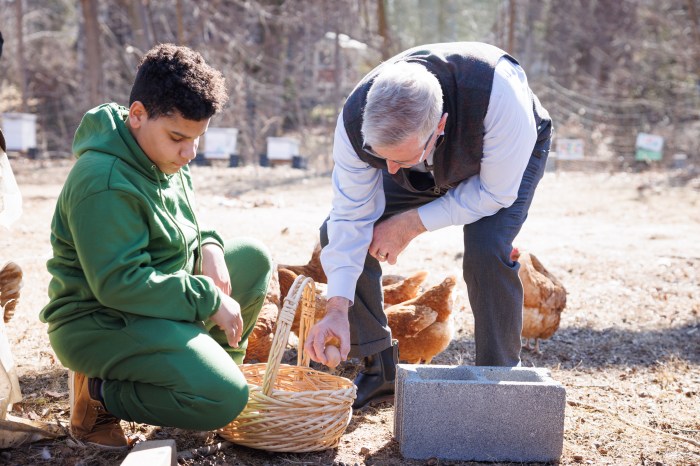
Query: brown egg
[{"x": 332, "y": 356}]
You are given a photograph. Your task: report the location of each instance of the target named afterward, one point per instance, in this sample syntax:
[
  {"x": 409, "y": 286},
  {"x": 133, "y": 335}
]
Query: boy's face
[{"x": 170, "y": 141}]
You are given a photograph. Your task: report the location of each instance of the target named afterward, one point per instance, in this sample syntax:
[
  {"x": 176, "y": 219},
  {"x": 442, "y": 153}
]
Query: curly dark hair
[{"x": 172, "y": 77}]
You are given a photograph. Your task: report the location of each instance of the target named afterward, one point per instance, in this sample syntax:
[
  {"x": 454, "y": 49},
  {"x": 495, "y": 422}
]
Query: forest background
[{"x": 605, "y": 69}]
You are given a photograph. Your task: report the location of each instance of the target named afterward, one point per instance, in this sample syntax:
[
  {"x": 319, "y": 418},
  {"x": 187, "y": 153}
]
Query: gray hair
[{"x": 404, "y": 100}]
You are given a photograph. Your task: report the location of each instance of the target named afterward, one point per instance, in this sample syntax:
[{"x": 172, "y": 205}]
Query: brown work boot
[{"x": 89, "y": 420}]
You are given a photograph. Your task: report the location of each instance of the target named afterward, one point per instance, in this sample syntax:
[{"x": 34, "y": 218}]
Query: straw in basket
[{"x": 292, "y": 408}]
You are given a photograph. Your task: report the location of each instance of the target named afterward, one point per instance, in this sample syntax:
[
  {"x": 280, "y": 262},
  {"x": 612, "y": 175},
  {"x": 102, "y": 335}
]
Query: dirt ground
[{"x": 625, "y": 246}]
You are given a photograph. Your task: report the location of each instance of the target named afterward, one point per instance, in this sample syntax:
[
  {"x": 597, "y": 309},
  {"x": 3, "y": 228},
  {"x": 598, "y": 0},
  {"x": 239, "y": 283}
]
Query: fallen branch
[
  {"x": 203, "y": 451},
  {"x": 16, "y": 431},
  {"x": 68, "y": 433},
  {"x": 690, "y": 431},
  {"x": 632, "y": 423}
]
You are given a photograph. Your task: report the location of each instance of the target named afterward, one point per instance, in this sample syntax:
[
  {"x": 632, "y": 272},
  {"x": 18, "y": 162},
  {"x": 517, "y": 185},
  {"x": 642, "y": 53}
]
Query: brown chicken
[
  {"x": 545, "y": 299},
  {"x": 312, "y": 269},
  {"x": 260, "y": 339},
  {"x": 423, "y": 325},
  {"x": 403, "y": 290},
  {"x": 286, "y": 279},
  {"x": 10, "y": 284},
  {"x": 273, "y": 294},
  {"x": 390, "y": 279}
]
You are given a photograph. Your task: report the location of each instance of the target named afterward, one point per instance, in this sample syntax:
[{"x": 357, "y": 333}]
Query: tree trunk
[
  {"x": 137, "y": 13},
  {"x": 93, "y": 55},
  {"x": 383, "y": 30},
  {"x": 338, "y": 66},
  {"x": 511, "y": 27},
  {"x": 180, "y": 24},
  {"x": 695, "y": 26},
  {"x": 20, "y": 55},
  {"x": 442, "y": 15}
]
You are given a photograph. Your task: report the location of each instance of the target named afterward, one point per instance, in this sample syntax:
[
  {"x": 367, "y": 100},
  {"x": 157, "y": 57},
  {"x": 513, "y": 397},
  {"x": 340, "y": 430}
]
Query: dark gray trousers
[{"x": 495, "y": 291}]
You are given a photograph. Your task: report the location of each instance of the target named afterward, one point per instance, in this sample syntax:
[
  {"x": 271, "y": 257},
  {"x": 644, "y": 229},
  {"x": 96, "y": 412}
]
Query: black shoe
[{"x": 376, "y": 381}]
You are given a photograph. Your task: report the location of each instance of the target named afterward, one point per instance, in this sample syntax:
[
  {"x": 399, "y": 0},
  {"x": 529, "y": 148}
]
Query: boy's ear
[{"x": 137, "y": 114}]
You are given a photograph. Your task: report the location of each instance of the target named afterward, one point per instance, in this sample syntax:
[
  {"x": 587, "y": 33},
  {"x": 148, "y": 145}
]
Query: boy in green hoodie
[{"x": 151, "y": 312}]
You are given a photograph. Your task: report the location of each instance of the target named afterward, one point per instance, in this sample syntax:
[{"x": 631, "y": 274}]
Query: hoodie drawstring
[
  {"x": 196, "y": 224},
  {"x": 177, "y": 225}
]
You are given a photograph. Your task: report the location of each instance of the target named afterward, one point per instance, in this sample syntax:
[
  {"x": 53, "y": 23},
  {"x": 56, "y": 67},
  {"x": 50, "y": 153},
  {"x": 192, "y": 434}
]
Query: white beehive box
[
  {"x": 220, "y": 143},
  {"x": 20, "y": 131},
  {"x": 281, "y": 148}
]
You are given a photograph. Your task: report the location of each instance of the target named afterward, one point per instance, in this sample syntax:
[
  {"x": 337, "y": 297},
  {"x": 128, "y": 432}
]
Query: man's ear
[
  {"x": 137, "y": 114},
  {"x": 443, "y": 121}
]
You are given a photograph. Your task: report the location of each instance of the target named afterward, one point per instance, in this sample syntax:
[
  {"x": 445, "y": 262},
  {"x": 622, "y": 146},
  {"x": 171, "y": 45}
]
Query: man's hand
[
  {"x": 214, "y": 267},
  {"x": 228, "y": 318},
  {"x": 333, "y": 325},
  {"x": 392, "y": 235}
]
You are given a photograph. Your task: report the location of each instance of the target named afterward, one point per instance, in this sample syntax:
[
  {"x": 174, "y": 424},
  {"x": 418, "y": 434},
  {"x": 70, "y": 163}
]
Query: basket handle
[{"x": 301, "y": 293}]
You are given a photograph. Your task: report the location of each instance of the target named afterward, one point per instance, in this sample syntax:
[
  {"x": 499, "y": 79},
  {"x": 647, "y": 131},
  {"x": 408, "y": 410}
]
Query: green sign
[{"x": 649, "y": 147}]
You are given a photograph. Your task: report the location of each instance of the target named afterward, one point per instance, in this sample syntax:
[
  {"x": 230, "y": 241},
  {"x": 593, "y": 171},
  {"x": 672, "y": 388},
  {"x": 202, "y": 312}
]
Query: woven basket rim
[{"x": 343, "y": 384}]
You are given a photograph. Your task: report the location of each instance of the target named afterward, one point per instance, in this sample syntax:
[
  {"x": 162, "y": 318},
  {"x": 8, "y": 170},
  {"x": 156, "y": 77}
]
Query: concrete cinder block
[
  {"x": 152, "y": 453},
  {"x": 479, "y": 413}
]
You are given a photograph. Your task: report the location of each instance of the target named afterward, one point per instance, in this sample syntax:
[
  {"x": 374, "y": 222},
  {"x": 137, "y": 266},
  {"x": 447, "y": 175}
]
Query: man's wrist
[
  {"x": 415, "y": 224},
  {"x": 337, "y": 304}
]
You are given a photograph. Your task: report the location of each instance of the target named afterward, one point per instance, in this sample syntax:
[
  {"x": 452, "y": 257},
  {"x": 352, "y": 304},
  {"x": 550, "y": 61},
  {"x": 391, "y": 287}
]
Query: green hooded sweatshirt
[{"x": 124, "y": 234}]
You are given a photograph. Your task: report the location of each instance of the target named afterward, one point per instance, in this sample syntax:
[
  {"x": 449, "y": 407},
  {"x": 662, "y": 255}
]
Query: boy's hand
[
  {"x": 228, "y": 318},
  {"x": 214, "y": 267}
]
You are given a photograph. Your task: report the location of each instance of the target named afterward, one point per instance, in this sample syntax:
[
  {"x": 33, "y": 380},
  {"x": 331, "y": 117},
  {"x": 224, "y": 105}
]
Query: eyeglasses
[{"x": 367, "y": 148}]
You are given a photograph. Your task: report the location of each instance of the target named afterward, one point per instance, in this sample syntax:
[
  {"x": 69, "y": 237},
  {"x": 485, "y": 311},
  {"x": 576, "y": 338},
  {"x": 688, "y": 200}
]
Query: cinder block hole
[
  {"x": 510, "y": 375},
  {"x": 446, "y": 373}
]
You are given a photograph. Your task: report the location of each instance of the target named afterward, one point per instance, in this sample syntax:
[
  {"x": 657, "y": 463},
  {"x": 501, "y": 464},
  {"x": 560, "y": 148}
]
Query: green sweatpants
[{"x": 165, "y": 372}]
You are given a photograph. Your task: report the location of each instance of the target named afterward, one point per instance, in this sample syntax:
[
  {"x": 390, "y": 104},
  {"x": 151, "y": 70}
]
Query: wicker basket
[{"x": 292, "y": 408}]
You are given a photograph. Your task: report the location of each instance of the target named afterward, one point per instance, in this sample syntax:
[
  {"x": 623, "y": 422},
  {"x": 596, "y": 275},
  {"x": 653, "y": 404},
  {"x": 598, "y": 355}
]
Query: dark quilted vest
[{"x": 465, "y": 72}]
